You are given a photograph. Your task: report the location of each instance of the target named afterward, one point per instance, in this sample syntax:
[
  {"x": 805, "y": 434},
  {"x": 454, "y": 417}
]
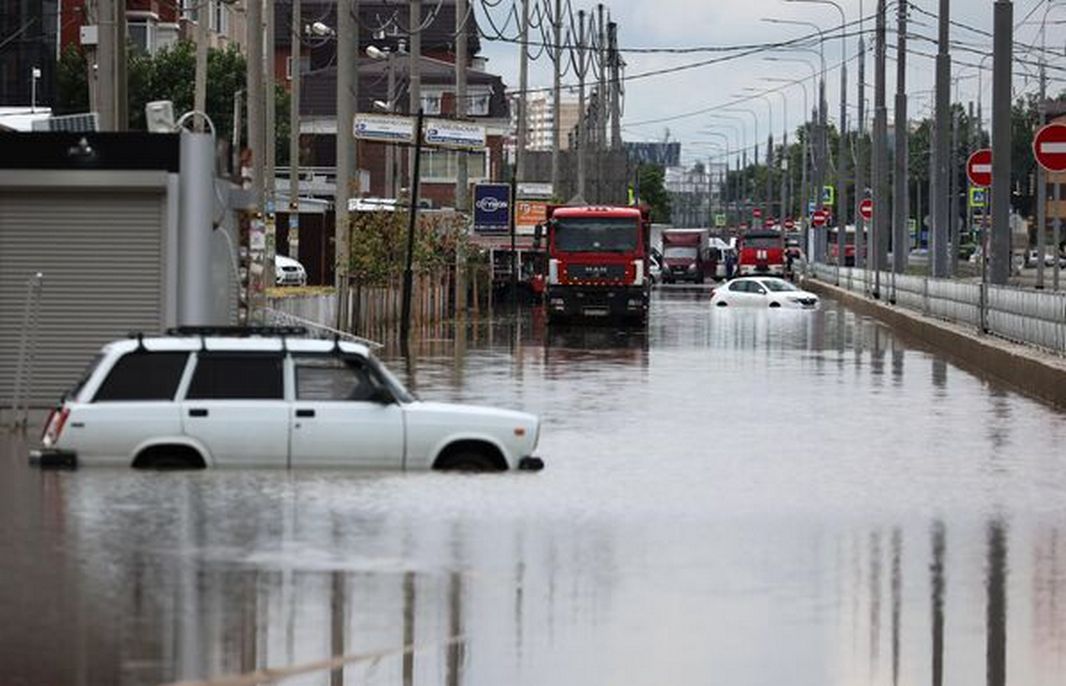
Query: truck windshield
[
  {"x": 679, "y": 252},
  {"x": 595, "y": 234}
]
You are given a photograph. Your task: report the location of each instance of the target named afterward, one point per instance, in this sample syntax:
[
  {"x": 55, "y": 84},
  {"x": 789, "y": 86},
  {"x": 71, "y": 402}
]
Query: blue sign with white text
[{"x": 492, "y": 207}]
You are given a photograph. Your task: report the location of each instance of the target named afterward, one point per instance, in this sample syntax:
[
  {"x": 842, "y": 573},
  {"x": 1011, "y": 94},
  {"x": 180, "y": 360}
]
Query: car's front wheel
[{"x": 469, "y": 460}]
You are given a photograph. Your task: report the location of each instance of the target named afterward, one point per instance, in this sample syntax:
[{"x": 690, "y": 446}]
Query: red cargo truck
[
  {"x": 686, "y": 256},
  {"x": 598, "y": 263}
]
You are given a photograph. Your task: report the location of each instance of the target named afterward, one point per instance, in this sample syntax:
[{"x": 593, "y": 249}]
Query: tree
[
  {"x": 170, "y": 74},
  {"x": 653, "y": 192}
]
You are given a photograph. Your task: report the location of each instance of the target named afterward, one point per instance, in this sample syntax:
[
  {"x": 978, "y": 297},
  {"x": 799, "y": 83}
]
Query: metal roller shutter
[{"x": 102, "y": 256}]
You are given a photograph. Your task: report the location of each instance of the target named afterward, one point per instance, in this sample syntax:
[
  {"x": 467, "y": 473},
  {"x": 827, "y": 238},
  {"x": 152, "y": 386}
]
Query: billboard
[
  {"x": 492, "y": 207},
  {"x": 529, "y": 213},
  {"x": 661, "y": 154}
]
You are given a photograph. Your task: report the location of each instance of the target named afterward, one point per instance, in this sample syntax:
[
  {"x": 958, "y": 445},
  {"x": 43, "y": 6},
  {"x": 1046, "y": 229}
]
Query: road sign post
[
  {"x": 979, "y": 168},
  {"x": 866, "y": 209},
  {"x": 1049, "y": 147}
]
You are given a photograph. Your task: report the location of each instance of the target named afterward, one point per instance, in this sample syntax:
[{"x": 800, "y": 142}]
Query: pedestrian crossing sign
[
  {"x": 719, "y": 220},
  {"x": 829, "y": 195},
  {"x": 978, "y": 196}
]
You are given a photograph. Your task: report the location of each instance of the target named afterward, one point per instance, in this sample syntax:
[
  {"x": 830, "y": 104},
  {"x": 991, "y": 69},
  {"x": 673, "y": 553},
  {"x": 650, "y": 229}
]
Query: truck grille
[{"x": 589, "y": 272}]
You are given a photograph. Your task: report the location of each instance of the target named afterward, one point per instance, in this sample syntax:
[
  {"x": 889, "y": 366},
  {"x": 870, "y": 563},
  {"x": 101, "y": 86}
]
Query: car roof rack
[{"x": 237, "y": 331}]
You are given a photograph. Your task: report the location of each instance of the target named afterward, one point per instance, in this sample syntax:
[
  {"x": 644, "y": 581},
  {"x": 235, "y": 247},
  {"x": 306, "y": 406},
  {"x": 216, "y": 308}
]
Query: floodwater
[{"x": 735, "y": 497}]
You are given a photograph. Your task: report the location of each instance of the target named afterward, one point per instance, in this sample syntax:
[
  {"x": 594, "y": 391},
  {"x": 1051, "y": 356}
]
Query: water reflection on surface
[{"x": 732, "y": 496}]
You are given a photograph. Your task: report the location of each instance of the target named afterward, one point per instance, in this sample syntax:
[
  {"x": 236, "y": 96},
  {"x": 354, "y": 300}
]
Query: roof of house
[
  {"x": 387, "y": 18},
  {"x": 318, "y": 91}
]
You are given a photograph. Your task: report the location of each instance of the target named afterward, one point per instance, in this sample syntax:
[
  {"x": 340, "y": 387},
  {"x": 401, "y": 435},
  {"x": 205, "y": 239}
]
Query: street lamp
[
  {"x": 388, "y": 105},
  {"x": 755, "y": 120}
]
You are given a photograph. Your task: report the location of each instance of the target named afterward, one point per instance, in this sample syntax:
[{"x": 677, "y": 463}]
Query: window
[
  {"x": 779, "y": 285},
  {"x": 143, "y": 375},
  {"x": 431, "y": 104},
  {"x": 478, "y": 104},
  {"x": 305, "y": 66},
  {"x": 190, "y": 9},
  {"x": 237, "y": 376},
  {"x": 739, "y": 286},
  {"x": 142, "y": 35},
  {"x": 219, "y": 18},
  {"x": 321, "y": 377},
  {"x": 579, "y": 234},
  {"x": 443, "y": 165}
]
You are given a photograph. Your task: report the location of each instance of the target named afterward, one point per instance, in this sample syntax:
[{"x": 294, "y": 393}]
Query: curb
[{"x": 1024, "y": 368}]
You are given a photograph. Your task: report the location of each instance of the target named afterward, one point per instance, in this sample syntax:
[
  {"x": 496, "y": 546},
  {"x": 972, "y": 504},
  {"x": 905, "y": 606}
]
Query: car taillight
[{"x": 54, "y": 426}]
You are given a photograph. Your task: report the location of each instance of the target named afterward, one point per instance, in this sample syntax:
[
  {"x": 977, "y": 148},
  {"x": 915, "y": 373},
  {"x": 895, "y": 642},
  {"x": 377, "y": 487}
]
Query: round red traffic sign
[
  {"x": 1049, "y": 147},
  {"x": 866, "y": 209},
  {"x": 820, "y": 218},
  {"x": 768, "y": 223},
  {"x": 979, "y": 168},
  {"x": 757, "y": 213},
  {"x": 789, "y": 224}
]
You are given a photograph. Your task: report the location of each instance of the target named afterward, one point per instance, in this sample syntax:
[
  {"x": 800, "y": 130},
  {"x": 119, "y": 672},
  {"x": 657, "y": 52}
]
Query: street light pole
[
  {"x": 1003, "y": 43},
  {"x": 901, "y": 203},
  {"x": 879, "y": 234},
  {"x": 295, "y": 54},
  {"x": 941, "y": 146}
]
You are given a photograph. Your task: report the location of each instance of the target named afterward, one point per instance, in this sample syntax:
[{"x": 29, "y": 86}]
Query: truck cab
[
  {"x": 598, "y": 263},
  {"x": 761, "y": 252}
]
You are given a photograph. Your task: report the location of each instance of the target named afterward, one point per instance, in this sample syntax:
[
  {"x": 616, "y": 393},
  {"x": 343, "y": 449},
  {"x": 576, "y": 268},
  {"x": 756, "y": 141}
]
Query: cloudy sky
[{"x": 725, "y": 23}]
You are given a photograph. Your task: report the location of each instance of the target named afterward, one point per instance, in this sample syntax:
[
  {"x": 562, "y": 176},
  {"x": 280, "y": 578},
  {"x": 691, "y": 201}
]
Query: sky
[{"x": 713, "y": 23}]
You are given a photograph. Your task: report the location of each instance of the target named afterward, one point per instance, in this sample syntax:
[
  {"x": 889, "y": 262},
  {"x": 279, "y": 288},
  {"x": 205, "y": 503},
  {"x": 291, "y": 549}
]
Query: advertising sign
[
  {"x": 384, "y": 128},
  {"x": 529, "y": 213},
  {"x": 454, "y": 134},
  {"x": 492, "y": 207}
]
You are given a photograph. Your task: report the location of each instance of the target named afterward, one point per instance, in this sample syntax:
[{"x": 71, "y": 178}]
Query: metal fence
[{"x": 1023, "y": 315}]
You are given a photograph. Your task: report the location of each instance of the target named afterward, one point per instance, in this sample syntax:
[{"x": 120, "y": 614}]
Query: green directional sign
[
  {"x": 978, "y": 197},
  {"x": 829, "y": 195},
  {"x": 719, "y": 220}
]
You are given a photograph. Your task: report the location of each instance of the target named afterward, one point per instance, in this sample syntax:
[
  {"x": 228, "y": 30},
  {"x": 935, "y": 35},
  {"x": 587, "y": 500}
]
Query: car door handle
[
  {"x": 198, "y": 412},
  {"x": 305, "y": 413}
]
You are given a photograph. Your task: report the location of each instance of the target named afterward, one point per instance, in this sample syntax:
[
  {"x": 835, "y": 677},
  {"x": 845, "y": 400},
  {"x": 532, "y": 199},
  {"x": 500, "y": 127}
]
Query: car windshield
[
  {"x": 778, "y": 285},
  {"x": 680, "y": 252},
  {"x": 395, "y": 386},
  {"x": 595, "y": 234}
]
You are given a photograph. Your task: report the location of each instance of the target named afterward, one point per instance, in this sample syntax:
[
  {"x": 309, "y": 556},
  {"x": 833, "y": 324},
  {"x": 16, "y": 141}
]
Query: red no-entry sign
[
  {"x": 979, "y": 168},
  {"x": 820, "y": 218},
  {"x": 768, "y": 223},
  {"x": 757, "y": 213},
  {"x": 1049, "y": 147},
  {"x": 866, "y": 209},
  {"x": 789, "y": 224}
]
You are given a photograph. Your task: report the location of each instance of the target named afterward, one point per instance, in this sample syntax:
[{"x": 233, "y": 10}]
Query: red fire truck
[
  {"x": 761, "y": 251},
  {"x": 598, "y": 263}
]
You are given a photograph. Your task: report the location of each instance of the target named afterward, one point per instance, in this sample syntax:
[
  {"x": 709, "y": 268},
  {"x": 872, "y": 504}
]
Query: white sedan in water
[{"x": 762, "y": 291}]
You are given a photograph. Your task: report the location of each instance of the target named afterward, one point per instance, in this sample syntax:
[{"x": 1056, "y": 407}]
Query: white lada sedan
[
  {"x": 269, "y": 398},
  {"x": 762, "y": 291}
]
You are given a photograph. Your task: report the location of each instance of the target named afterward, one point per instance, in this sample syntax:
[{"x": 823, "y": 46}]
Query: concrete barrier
[{"x": 1028, "y": 370}]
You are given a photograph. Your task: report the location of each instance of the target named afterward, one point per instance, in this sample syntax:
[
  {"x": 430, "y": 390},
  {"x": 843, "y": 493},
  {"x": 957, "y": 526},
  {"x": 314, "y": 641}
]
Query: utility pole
[
  {"x": 200, "y": 77},
  {"x": 557, "y": 95},
  {"x": 296, "y": 53},
  {"x": 256, "y": 141},
  {"x": 523, "y": 84},
  {"x": 1003, "y": 44},
  {"x": 601, "y": 103},
  {"x": 122, "y": 116},
  {"x": 860, "y": 154},
  {"x": 841, "y": 209},
  {"x": 414, "y": 85},
  {"x": 1041, "y": 180},
  {"x": 616, "y": 86},
  {"x": 270, "y": 175},
  {"x": 804, "y": 189},
  {"x": 106, "y": 56},
  {"x": 582, "y": 118},
  {"x": 942, "y": 138},
  {"x": 901, "y": 202},
  {"x": 462, "y": 18},
  {"x": 953, "y": 204},
  {"x": 390, "y": 150},
  {"x": 768, "y": 206},
  {"x": 879, "y": 235},
  {"x": 347, "y": 85}
]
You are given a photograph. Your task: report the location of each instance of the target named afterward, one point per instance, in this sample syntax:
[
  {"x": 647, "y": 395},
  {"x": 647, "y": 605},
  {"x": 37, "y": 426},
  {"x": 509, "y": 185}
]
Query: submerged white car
[
  {"x": 289, "y": 272},
  {"x": 269, "y": 397},
  {"x": 762, "y": 291}
]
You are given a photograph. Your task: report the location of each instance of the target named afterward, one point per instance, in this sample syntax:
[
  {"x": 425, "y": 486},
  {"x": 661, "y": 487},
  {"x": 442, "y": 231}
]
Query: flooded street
[{"x": 743, "y": 497}]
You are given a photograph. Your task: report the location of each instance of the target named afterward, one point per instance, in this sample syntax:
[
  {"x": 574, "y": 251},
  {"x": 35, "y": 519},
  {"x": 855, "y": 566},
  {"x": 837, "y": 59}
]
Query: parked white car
[
  {"x": 289, "y": 272},
  {"x": 762, "y": 291},
  {"x": 269, "y": 398}
]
